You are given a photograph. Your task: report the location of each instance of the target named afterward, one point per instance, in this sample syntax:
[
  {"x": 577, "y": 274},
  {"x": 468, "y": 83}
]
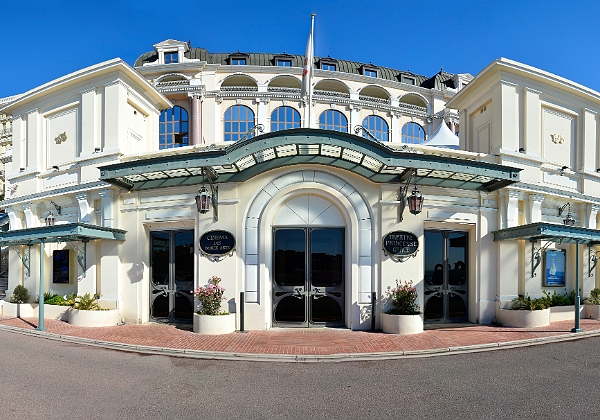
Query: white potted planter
[
  {"x": 214, "y": 324},
  {"x": 20, "y": 310},
  {"x": 82, "y": 318},
  {"x": 564, "y": 313},
  {"x": 592, "y": 311},
  {"x": 524, "y": 318},
  {"x": 401, "y": 324},
  {"x": 55, "y": 312}
]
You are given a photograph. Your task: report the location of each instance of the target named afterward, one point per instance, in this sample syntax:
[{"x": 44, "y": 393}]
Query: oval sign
[
  {"x": 217, "y": 242},
  {"x": 400, "y": 243}
]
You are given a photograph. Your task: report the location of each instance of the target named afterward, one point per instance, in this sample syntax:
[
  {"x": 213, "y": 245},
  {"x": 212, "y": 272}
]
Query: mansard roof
[{"x": 440, "y": 81}]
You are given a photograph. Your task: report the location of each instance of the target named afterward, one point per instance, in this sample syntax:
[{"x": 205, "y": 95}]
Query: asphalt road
[{"x": 55, "y": 380}]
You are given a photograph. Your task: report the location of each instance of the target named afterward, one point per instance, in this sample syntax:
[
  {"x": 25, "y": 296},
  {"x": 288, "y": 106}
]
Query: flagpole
[{"x": 312, "y": 28}]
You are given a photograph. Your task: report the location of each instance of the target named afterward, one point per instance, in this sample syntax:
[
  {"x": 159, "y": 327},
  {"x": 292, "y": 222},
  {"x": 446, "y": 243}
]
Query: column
[
  {"x": 395, "y": 127},
  {"x": 107, "y": 213},
  {"x": 261, "y": 113},
  {"x": 195, "y": 120}
]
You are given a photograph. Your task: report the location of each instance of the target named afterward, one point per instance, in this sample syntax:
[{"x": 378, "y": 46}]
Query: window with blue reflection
[
  {"x": 370, "y": 73},
  {"x": 333, "y": 120},
  {"x": 173, "y": 128},
  {"x": 238, "y": 61},
  {"x": 238, "y": 120},
  {"x": 171, "y": 57},
  {"x": 284, "y": 63},
  {"x": 376, "y": 126},
  {"x": 285, "y": 118},
  {"x": 330, "y": 67},
  {"x": 413, "y": 133}
]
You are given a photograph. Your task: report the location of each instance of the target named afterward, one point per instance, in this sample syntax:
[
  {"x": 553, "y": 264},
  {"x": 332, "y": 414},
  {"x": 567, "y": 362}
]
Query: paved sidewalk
[{"x": 301, "y": 344}]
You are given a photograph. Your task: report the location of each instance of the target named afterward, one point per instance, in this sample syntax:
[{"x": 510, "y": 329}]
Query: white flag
[{"x": 307, "y": 72}]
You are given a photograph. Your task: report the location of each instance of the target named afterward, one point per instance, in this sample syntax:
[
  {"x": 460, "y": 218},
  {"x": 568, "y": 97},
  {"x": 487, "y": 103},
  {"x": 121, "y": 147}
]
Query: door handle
[{"x": 317, "y": 293}]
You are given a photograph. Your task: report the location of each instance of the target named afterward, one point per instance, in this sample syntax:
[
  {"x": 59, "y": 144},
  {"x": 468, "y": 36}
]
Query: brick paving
[{"x": 302, "y": 341}]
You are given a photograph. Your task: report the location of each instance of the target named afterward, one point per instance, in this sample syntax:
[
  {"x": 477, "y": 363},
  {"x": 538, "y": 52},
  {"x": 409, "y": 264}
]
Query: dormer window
[
  {"x": 284, "y": 63},
  {"x": 328, "y": 64},
  {"x": 171, "y": 57},
  {"x": 369, "y": 70},
  {"x": 238, "y": 59},
  {"x": 408, "y": 80}
]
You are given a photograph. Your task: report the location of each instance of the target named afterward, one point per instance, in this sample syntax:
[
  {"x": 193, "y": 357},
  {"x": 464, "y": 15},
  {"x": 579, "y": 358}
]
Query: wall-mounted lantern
[
  {"x": 414, "y": 201},
  {"x": 569, "y": 220},
  {"x": 50, "y": 219},
  {"x": 205, "y": 199}
]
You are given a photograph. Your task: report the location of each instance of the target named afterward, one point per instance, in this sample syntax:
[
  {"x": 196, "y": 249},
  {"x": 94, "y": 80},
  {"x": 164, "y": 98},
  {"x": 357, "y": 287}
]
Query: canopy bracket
[
  {"x": 24, "y": 256},
  {"x": 536, "y": 254},
  {"x": 593, "y": 261},
  {"x": 81, "y": 254}
]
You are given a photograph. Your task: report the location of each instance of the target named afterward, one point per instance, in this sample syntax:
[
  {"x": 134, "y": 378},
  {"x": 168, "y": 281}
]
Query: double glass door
[
  {"x": 308, "y": 280},
  {"x": 172, "y": 276},
  {"x": 446, "y": 285}
]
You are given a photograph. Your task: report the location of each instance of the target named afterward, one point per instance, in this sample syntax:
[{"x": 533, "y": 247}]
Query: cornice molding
[{"x": 79, "y": 188}]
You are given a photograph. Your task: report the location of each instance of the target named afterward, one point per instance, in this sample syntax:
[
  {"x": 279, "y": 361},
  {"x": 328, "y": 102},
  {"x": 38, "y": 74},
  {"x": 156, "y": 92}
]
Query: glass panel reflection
[
  {"x": 327, "y": 262},
  {"x": 326, "y": 309},
  {"x": 290, "y": 257},
  {"x": 457, "y": 256},
  {"x": 290, "y": 309}
]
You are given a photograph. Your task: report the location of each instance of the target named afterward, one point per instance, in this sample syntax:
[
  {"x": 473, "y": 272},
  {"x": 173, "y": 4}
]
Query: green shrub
[
  {"x": 20, "y": 295},
  {"x": 594, "y": 298},
  {"x": 555, "y": 299},
  {"x": 55, "y": 300},
  {"x": 85, "y": 302},
  {"x": 526, "y": 303}
]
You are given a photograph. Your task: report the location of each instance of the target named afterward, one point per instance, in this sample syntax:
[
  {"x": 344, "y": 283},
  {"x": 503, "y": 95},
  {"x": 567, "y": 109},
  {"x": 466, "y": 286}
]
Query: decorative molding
[
  {"x": 557, "y": 138},
  {"x": 54, "y": 193},
  {"x": 533, "y": 91},
  {"x": 61, "y": 138},
  {"x": 559, "y": 113}
]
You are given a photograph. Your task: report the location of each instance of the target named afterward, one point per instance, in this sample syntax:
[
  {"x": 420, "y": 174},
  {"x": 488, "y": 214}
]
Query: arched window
[
  {"x": 333, "y": 120},
  {"x": 285, "y": 118},
  {"x": 413, "y": 133},
  {"x": 377, "y": 126},
  {"x": 238, "y": 120},
  {"x": 173, "y": 128}
]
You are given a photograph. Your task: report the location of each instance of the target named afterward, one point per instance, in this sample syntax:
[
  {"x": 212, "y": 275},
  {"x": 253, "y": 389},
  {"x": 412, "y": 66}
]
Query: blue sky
[{"x": 43, "y": 40}]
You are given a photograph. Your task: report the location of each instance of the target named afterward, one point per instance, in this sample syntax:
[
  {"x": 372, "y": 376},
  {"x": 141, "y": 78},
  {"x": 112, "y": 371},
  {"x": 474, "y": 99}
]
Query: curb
[{"x": 307, "y": 358}]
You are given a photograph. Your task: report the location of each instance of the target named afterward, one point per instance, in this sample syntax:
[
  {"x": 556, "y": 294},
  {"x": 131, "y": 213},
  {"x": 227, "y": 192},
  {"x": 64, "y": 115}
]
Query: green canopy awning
[
  {"x": 70, "y": 232},
  {"x": 374, "y": 160},
  {"x": 534, "y": 232}
]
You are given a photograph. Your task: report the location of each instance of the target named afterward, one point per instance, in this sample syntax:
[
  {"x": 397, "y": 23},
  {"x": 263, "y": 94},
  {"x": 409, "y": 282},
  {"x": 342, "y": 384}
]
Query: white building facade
[{"x": 307, "y": 224}]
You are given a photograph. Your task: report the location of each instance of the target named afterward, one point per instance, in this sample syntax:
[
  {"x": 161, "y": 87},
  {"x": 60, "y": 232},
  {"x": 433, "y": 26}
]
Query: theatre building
[{"x": 141, "y": 183}]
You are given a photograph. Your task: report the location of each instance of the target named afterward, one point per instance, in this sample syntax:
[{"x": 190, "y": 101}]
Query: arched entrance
[
  {"x": 308, "y": 264},
  {"x": 321, "y": 206}
]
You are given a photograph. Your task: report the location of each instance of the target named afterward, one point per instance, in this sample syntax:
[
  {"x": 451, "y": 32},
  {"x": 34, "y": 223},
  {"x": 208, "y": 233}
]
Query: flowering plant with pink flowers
[
  {"x": 210, "y": 297},
  {"x": 404, "y": 298}
]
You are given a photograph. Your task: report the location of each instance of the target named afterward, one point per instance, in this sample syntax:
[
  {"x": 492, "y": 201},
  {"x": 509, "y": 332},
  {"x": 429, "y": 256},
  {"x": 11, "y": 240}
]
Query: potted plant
[
  {"x": 19, "y": 305},
  {"x": 562, "y": 306},
  {"x": 525, "y": 312},
  {"x": 404, "y": 317},
  {"x": 85, "y": 312},
  {"x": 55, "y": 306},
  {"x": 592, "y": 304},
  {"x": 209, "y": 319}
]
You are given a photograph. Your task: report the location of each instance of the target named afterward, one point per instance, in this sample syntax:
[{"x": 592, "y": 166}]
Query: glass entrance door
[
  {"x": 308, "y": 280},
  {"x": 172, "y": 276},
  {"x": 446, "y": 286}
]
